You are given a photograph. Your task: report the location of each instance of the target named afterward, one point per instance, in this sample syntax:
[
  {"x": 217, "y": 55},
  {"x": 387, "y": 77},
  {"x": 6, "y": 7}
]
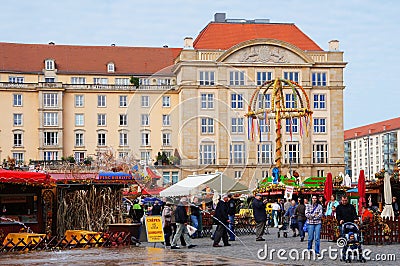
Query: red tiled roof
[
  {"x": 371, "y": 129},
  {"x": 225, "y": 35},
  {"x": 85, "y": 59}
]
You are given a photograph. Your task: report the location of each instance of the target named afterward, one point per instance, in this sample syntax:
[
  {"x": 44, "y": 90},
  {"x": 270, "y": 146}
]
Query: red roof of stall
[{"x": 25, "y": 178}]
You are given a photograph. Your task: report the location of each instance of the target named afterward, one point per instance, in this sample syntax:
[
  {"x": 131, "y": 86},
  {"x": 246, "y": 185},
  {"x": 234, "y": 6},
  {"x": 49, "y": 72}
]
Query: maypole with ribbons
[{"x": 298, "y": 108}]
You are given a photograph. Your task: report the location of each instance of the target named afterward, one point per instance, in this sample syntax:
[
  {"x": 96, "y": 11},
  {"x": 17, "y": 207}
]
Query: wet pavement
[{"x": 244, "y": 252}]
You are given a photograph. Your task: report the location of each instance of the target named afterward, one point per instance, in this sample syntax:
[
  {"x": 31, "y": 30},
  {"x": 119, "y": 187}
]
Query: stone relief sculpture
[{"x": 264, "y": 54}]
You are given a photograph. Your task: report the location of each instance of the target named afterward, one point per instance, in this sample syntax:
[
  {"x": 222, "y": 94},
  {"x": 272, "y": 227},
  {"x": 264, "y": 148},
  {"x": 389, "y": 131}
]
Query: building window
[
  {"x": 79, "y": 141},
  {"x": 145, "y": 156},
  {"x": 207, "y": 153},
  {"x": 122, "y": 154},
  {"x": 17, "y": 119},
  {"x": 101, "y": 101},
  {"x": 265, "y": 153},
  {"x": 79, "y": 120},
  {"x": 238, "y": 174},
  {"x": 237, "y": 153},
  {"x": 145, "y": 120},
  {"x": 50, "y": 155},
  {"x": 17, "y": 139},
  {"x": 207, "y": 125},
  {"x": 19, "y": 157},
  {"x": 236, "y": 78},
  {"x": 264, "y": 126},
  {"x": 318, "y": 78},
  {"x": 293, "y": 76},
  {"x": 237, "y": 125},
  {"x": 175, "y": 177},
  {"x": 123, "y": 101},
  {"x": 145, "y": 139},
  {"x": 13, "y": 79},
  {"x": 292, "y": 153},
  {"x": 290, "y": 101},
  {"x": 49, "y": 64},
  {"x": 166, "y": 120},
  {"x": 236, "y": 101},
  {"x": 320, "y": 153},
  {"x": 50, "y": 119},
  {"x": 164, "y": 81},
  {"x": 50, "y": 138},
  {"x": 122, "y": 81},
  {"x": 50, "y": 99},
  {"x": 292, "y": 125},
  {"x": 145, "y": 101},
  {"x": 101, "y": 139},
  {"x": 49, "y": 80},
  {"x": 263, "y": 77},
  {"x": 319, "y": 125},
  {"x": 110, "y": 67},
  {"x": 166, "y": 139},
  {"x": 79, "y": 156},
  {"x": 101, "y": 119},
  {"x": 100, "y": 81},
  {"x": 166, "y": 176},
  {"x": 78, "y": 80},
  {"x": 79, "y": 100},
  {"x": 266, "y": 103},
  {"x": 320, "y": 173},
  {"x": 123, "y": 120},
  {"x": 166, "y": 101},
  {"x": 144, "y": 81},
  {"x": 123, "y": 139},
  {"x": 319, "y": 101},
  {"x": 207, "y": 78},
  {"x": 207, "y": 101},
  {"x": 17, "y": 100}
]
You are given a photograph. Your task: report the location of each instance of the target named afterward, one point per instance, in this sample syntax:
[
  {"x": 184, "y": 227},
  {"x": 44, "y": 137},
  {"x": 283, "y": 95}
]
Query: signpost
[
  {"x": 154, "y": 229},
  {"x": 289, "y": 192}
]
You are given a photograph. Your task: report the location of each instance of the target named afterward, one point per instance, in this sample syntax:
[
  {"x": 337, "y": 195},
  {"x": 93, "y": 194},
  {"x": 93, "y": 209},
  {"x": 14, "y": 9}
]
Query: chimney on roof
[
  {"x": 51, "y": 43},
  {"x": 219, "y": 17},
  {"x": 188, "y": 43},
  {"x": 334, "y": 46}
]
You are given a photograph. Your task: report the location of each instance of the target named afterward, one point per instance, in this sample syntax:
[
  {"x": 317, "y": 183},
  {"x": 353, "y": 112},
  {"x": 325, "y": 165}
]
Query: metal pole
[{"x": 221, "y": 183}]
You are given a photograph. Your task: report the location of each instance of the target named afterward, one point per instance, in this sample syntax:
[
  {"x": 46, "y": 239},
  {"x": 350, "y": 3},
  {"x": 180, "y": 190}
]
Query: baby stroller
[
  {"x": 284, "y": 227},
  {"x": 351, "y": 243}
]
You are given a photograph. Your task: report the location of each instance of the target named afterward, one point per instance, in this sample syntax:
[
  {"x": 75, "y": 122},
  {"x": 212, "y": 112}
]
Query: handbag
[{"x": 191, "y": 229}]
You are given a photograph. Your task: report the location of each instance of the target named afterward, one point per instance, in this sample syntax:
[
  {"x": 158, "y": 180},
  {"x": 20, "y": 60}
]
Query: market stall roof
[
  {"x": 286, "y": 181},
  {"x": 192, "y": 183},
  {"x": 25, "y": 178},
  {"x": 314, "y": 182}
]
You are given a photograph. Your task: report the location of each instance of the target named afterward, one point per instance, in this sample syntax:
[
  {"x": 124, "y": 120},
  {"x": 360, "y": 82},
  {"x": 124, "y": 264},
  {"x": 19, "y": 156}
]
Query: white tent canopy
[
  {"x": 195, "y": 183},
  {"x": 387, "y": 208}
]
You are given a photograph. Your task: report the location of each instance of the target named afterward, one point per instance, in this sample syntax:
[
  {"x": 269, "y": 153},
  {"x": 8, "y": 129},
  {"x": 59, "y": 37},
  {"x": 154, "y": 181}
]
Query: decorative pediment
[{"x": 265, "y": 51}]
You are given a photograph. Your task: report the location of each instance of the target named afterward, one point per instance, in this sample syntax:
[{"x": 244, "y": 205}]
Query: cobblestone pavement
[{"x": 248, "y": 248}]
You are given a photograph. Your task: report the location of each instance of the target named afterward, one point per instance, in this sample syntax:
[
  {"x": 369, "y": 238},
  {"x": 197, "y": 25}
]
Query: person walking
[
  {"x": 166, "y": 216},
  {"x": 275, "y": 213},
  {"x": 195, "y": 216},
  {"x": 395, "y": 206},
  {"x": 231, "y": 216},
  {"x": 332, "y": 203},
  {"x": 181, "y": 219},
  {"x": 314, "y": 213},
  {"x": 222, "y": 219},
  {"x": 136, "y": 213},
  {"x": 260, "y": 216},
  {"x": 156, "y": 210},
  {"x": 300, "y": 214},
  {"x": 345, "y": 213},
  {"x": 292, "y": 218}
]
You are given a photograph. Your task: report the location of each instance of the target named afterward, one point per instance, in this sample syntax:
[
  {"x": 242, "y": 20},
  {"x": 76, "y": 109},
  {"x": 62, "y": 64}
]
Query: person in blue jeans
[
  {"x": 231, "y": 216},
  {"x": 314, "y": 215},
  {"x": 300, "y": 214}
]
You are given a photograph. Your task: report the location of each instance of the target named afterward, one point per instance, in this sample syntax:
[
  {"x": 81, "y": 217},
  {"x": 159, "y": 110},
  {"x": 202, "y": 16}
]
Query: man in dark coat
[
  {"x": 345, "y": 213},
  {"x": 231, "y": 216},
  {"x": 260, "y": 216},
  {"x": 156, "y": 210},
  {"x": 181, "y": 219},
  {"x": 222, "y": 219}
]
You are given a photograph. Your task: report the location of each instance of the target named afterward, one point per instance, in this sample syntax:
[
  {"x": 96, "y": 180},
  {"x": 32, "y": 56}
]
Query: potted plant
[
  {"x": 135, "y": 81},
  {"x": 88, "y": 160}
]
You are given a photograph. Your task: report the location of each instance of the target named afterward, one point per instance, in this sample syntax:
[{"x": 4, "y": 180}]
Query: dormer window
[
  {"x": 49, "y": 64},
  {"x": 110, "y": 67}
]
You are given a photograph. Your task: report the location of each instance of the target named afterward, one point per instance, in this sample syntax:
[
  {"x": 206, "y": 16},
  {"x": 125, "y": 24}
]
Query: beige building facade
[{"x": 189, "y": 102}]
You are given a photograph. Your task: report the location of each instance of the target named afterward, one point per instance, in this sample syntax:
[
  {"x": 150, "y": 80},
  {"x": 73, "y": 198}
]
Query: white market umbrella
[{"x": 387, "y": 209}]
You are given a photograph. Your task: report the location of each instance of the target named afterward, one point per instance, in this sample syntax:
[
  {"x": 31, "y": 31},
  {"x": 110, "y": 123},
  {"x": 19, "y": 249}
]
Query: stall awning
[
  {"x": 25, "y": 178},
  {"x": 195, "y": 183}
]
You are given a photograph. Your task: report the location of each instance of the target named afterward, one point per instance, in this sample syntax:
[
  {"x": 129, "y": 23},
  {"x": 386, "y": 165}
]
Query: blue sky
[{"x": 368, "y": 32}]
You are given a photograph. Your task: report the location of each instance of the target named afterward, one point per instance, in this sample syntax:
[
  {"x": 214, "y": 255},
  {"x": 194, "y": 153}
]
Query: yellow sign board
[{"x": 154, "y": 229}]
